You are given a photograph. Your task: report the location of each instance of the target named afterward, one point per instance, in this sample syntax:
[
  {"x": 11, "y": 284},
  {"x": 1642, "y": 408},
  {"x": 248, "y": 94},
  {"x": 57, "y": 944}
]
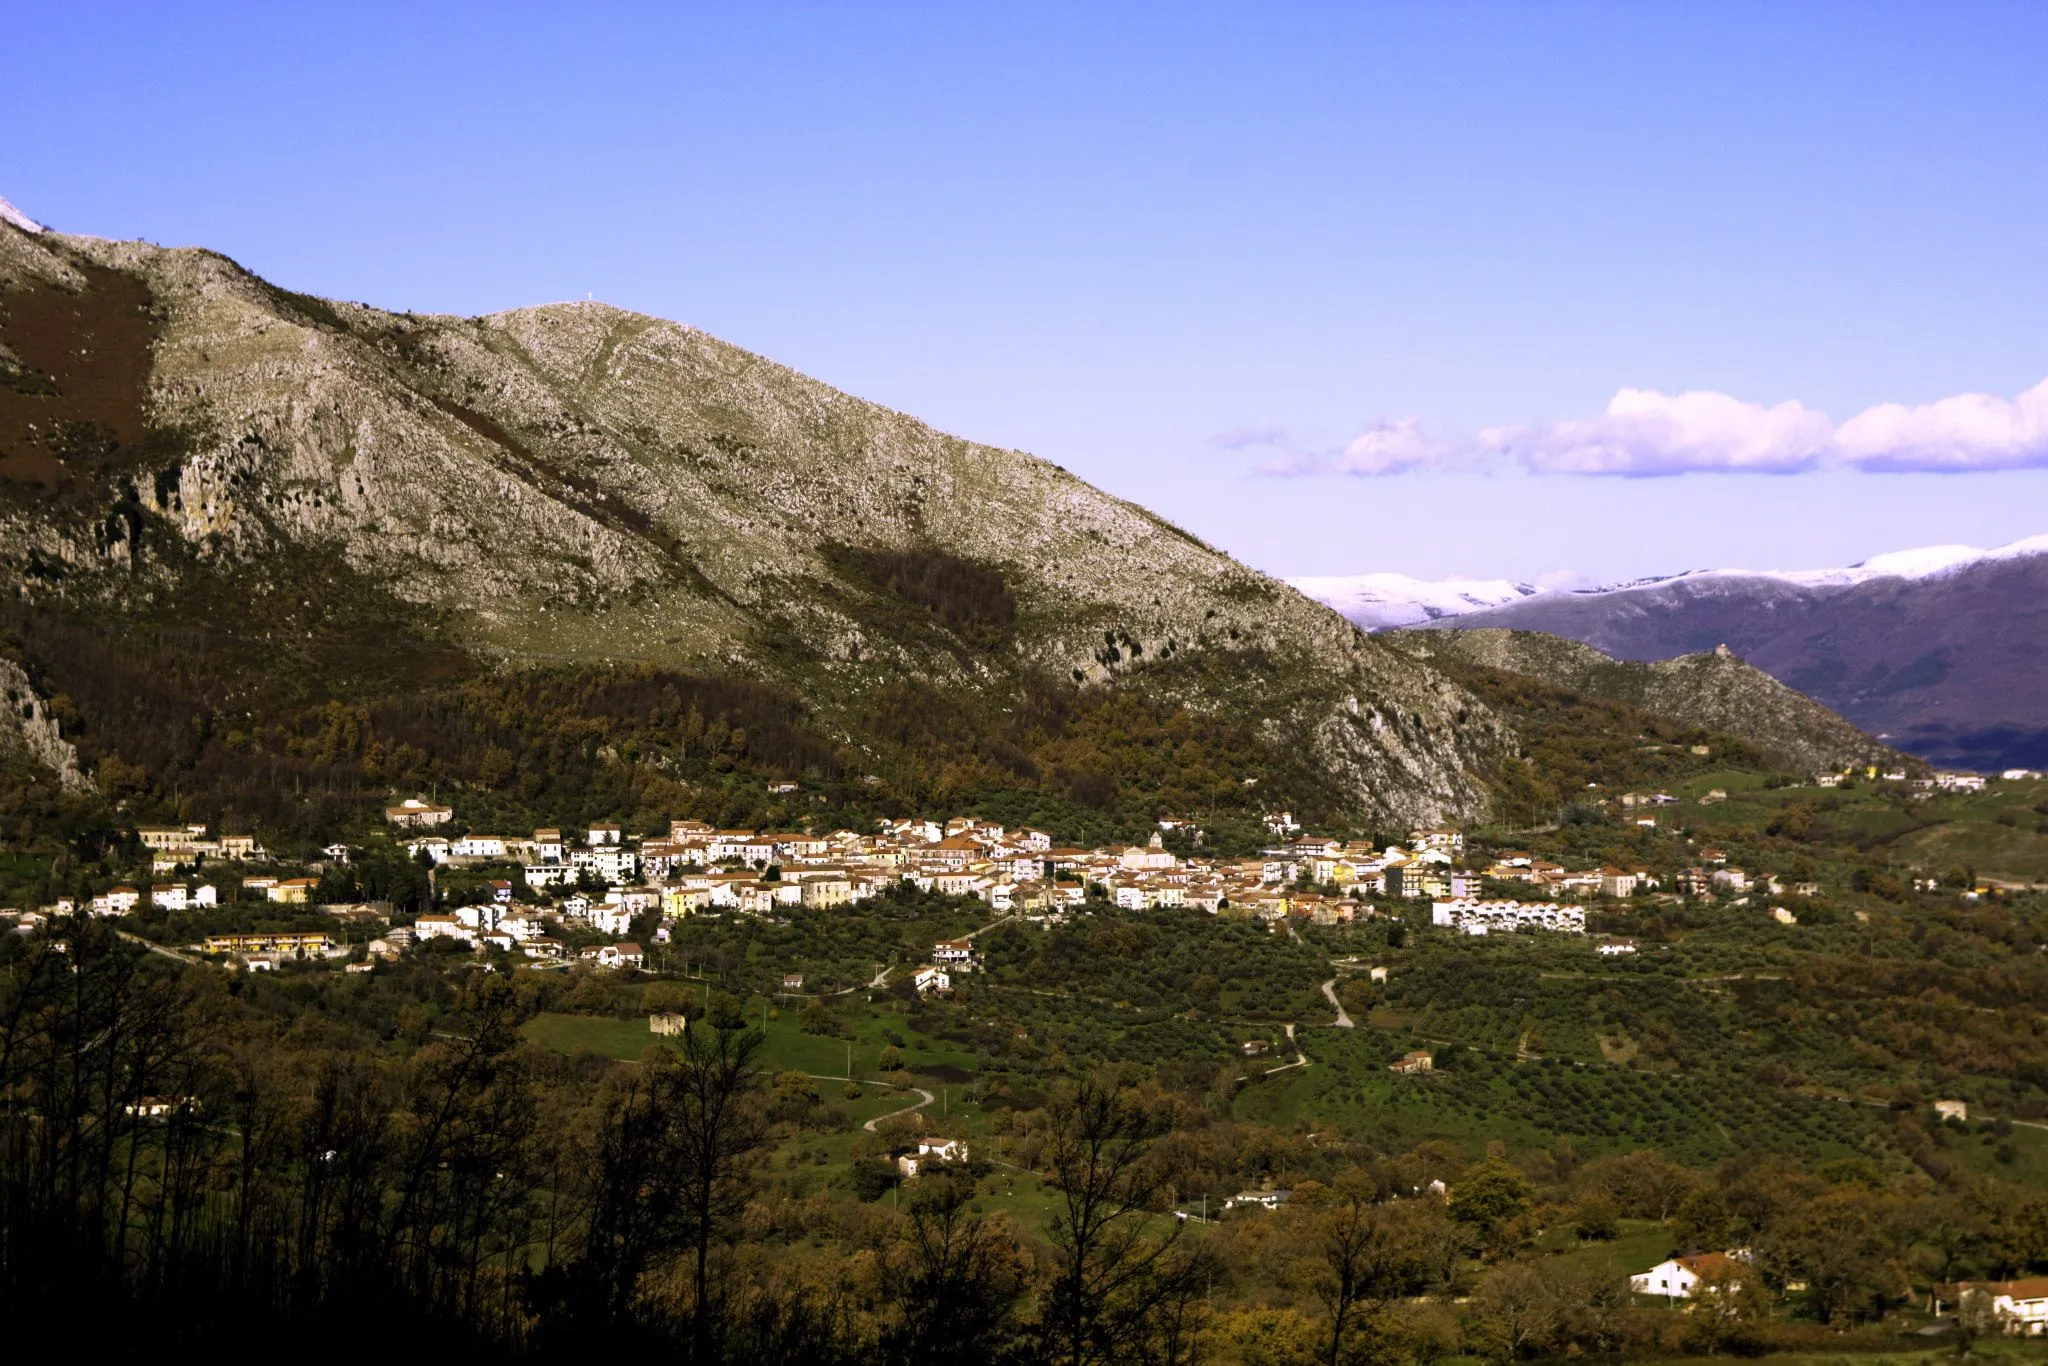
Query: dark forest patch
[
  {"x": 72, "y": 405},
  {"x": 969, "y": 598}
]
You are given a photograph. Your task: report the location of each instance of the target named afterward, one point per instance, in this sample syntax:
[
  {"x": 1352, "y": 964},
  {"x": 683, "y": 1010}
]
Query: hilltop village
[
  {"x": 602, "y": 894},
  {"x": 544, "y": 896}
]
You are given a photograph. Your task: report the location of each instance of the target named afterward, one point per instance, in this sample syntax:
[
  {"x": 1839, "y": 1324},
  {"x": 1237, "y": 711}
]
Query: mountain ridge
[
  {"x": 573, "y": 484},
  {"x": 1389, "y": 601},
  {"x": 1941, "y": 651}
]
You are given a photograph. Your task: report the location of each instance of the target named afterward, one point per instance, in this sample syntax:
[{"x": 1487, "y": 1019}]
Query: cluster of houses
[
  {"x": 182, "y": 846},
  {"x": 695, "y": 867},
  {"x": 604, "y": 879},
  {"x": 182, "y": 896},
  {"x": 2020, "y": 1307}
]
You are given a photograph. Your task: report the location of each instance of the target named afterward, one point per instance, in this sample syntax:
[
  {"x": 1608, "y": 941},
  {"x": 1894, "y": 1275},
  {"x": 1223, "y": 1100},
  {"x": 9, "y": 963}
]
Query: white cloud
[
  {"x": 1394, "y": 444},
  {"x": 1644, "y": 433},
  {"x": 1250, "y": 438},
  {"x": 1967, "y": 432},
  {"x": 1388, "y": 446}
]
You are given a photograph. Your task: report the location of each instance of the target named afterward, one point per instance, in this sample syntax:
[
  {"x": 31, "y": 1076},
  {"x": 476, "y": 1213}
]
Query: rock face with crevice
[
  {"x": 30, "y": 732},
  {"x": 575, "y": 483}
]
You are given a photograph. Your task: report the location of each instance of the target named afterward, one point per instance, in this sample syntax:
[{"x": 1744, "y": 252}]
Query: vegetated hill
[
  {"x": 1713, "y": 690},
  {"x": 1946, "y": 659},
  {"x": 261, "y": 543}
]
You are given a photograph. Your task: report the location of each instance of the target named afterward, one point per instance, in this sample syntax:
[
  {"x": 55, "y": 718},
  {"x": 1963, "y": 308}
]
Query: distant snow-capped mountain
[
  {"x": 1942, "y": 652},
  {"x": 1925, "y": 563},
  {"x": 1384, "y": 602},
  {"x": 1381, "y": 602}
]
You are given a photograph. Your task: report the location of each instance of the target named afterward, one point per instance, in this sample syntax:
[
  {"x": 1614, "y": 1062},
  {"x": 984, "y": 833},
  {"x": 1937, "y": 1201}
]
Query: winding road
[
  {"x": 1300, "y": 1058},
  {"x": 924, "y": 1098},
  {"x": 927, "y": 1098},
  {"x": 881, "y": 980},
  {"x": 1330, "y": 990}
]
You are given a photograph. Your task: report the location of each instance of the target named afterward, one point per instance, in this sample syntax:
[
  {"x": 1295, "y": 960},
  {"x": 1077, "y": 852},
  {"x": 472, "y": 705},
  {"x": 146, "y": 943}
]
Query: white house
[
  {"x": 483, "y": 916},
  {"x": 522, "y": 928},
  {"x": 413, "y": 811},
  {"x": 931, "y": 1152},
  {"x": 1257, "y": 1199},
  {"x": 443, "y": 927},
  {"x": 931, "y": 979},
  {"x": 2022, "y": 1306},
  {"x": 611, "y": 917},
  {"x": 1678, "y": 1277},
  {"x": 616, "y": 956},
  {"x": 614, "y": 863}
]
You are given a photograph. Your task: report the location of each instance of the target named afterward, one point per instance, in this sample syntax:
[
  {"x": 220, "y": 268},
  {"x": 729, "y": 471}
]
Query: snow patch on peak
[
  {"x": 1925, "y": 563},
  {"x": 1380, "y": 602},
  {"x": 10, "y": 214}
]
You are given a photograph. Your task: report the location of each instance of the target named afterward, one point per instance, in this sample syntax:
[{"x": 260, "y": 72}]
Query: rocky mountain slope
[
  {"x": 1713, "y": 690},
  {"x": 1942, "y": 654},
  {"x": 275, "y": 501}
]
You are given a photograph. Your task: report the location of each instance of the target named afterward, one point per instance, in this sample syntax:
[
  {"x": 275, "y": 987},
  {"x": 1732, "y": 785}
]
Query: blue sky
[{"x": 1179, "y": 248}]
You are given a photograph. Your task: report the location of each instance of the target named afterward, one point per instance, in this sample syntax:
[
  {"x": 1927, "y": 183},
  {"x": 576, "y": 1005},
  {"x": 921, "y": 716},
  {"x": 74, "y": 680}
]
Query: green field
[
  {"x": 2001, "y": 832},
  {"x": 1640, "y": 1245}
]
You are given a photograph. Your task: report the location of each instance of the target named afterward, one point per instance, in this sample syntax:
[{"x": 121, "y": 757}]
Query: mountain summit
[
  {"x": 244, "y": 505},
  {"x": 10, "y": 214}
]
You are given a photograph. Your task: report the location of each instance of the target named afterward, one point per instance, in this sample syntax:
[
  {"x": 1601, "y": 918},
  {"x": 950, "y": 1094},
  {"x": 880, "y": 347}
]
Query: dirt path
[
  {"x": 1330, "y": 990},
  {"x": 926, "y": 1099},
  {"x": 1300, "y": 1058},
  {"x": 154, "y": 947},
  {"x": 992, "y": 924},
  {"x": 881, "y": 980}
]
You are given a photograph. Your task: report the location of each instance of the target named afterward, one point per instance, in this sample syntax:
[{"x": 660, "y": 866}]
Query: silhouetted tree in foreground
[{"x": 1124, "y": 1286}]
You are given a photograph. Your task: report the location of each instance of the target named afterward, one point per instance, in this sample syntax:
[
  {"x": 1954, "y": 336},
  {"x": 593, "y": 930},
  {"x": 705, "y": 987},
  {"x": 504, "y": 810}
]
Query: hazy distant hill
[
  {"x": 240, "y": 505},
  {"x": 1943, "y": 654},
  {"x": 1710, "y": 690}
]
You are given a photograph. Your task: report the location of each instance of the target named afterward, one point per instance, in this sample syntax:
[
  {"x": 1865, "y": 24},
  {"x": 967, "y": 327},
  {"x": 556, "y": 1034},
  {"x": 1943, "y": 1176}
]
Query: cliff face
[
  {"x": 576, "y": 484},
  {"x": 1712, "y": 690}
]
